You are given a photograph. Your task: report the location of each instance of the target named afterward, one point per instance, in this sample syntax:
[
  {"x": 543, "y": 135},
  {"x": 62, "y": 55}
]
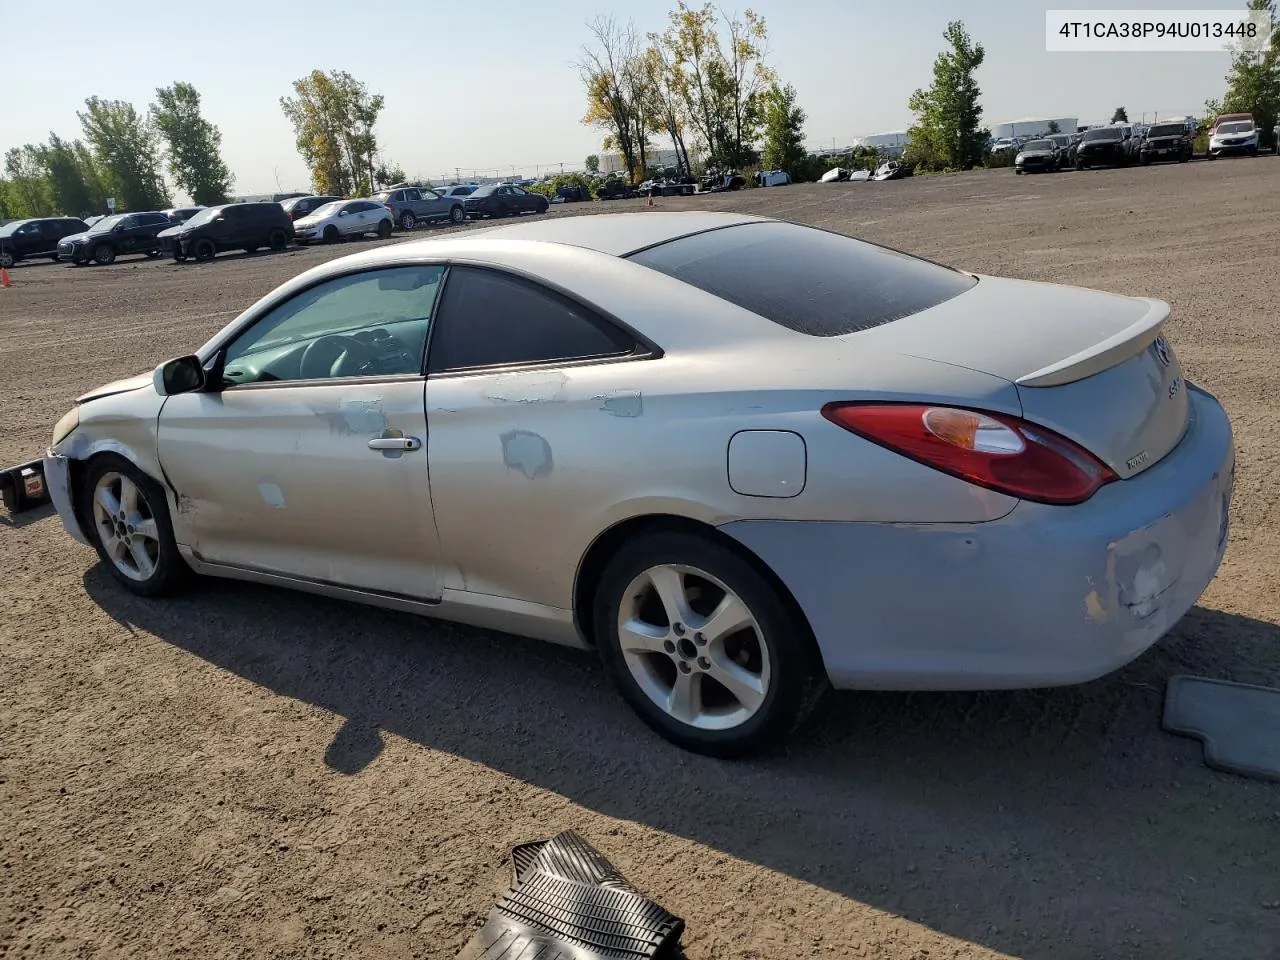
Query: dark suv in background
[
  {"x": 24, "y": 239},
  {"x": 299, "y": 207},
  {"x": 232, "y": 226},
  {"x": 114, "y": 236},
  {"x": 1166, "y": 141},
  {"x": 1110, "y": 146}
]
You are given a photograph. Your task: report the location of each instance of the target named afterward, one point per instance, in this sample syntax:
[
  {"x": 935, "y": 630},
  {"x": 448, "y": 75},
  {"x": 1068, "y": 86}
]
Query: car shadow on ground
[
  {"x": 27, "y": 517},
  {"x": 932, "y": 807}
]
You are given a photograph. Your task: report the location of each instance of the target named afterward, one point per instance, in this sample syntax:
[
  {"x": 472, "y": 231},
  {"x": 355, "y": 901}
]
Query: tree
[
  {"x": 1253, "y": 81},
  {"x": 126, "y": 149},
  {"x": 593, "y": 164},
  {"x": 722, "y": 92},
  {"x": 195, "y": 144},
  {"x": 609, "y": 70},
  {"x": 664, "y": 96},
  {"x": 1053, "y": 127},
  {"x": 385, "y": 173},
  {"x": 28, "y": 189},
  {"x": 783, "y": 131},
  {"x": 947, "y": 131},
  {"x": 75, "y": 191},
  {"x": 333, "y": 116},
  {"x": 1120, "y": 116}
]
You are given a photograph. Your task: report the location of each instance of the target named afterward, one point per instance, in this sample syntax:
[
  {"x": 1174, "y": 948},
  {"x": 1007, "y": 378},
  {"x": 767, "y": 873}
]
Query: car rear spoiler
[
  {"x": 1104, "y": 354},
  {"x": 23, "y": 488}
]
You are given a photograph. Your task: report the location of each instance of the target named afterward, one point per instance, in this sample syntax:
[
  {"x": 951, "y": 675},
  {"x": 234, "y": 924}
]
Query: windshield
[
  {"x": 1239, "y": 126},
  {"x": 106, "y": 223},
  {"x": 1110, "y": 134},
  {"x": 326, "y": 210},
  {"x": 1038, "y": 145},
  {"x": 203, "y": 217},
  {"x": 1165, "y": 130},
  {"x": 8, "y": 229},
  {"x": 483, "y": 191}
]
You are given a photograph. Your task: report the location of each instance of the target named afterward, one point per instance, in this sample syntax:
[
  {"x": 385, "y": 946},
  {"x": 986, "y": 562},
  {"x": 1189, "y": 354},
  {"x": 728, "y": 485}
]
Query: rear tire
[
  {"x": 747, "y": 688},
  {"x": 277, "y": 240},
  {"x": 135, "y": 540}
]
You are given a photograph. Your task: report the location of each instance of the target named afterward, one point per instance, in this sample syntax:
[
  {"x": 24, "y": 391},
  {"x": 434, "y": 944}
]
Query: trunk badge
[
  {"x": 1162, "y": 350},
  {"x": 1134, "y": 462}
]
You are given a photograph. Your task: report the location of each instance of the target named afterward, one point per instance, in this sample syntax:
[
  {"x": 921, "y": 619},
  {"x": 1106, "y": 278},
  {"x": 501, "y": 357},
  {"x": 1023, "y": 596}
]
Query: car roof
[{"x": 617, "y": 234}]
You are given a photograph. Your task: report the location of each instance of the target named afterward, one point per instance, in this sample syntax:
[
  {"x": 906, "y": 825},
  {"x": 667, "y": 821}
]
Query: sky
[{"x": 493, "y": 90}]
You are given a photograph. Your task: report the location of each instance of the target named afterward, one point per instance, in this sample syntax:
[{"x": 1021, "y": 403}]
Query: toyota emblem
[{"x": 1162, "y": 350}]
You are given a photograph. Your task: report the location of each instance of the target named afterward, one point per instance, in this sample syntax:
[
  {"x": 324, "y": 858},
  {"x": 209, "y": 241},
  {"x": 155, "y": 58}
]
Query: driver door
[{"x": 311, "y": 460}]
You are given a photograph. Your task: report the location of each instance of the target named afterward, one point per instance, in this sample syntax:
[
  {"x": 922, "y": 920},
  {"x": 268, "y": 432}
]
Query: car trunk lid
[{"x": 1091, "y": 366}]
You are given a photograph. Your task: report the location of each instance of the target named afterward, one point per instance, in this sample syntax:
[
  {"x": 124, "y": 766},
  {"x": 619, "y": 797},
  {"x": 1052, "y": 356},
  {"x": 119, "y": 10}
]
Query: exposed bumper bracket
[{"x": 23, "y": 487}]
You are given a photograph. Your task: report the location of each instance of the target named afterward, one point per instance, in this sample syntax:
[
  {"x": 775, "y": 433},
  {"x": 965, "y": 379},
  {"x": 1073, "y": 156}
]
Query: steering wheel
[{"x": 335, "y": 355}]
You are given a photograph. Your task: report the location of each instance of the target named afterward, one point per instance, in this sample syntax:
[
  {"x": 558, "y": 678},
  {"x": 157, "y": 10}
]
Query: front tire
[
  {"x": 384, "y": 229},
  {"x": 330, "y": 234},
  {"x": 129, "y": 525},
  {"x": 206, "y": 250},
  {"x": 7, "y": 259},
  {"x": 103, "y": 255},
  {"x": 457, "y": 215},
  {"x": 703, "y": 646}
]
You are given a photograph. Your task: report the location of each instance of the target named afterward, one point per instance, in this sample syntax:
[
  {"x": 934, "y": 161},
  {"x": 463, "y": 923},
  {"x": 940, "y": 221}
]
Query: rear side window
[
  {"x": 807, "y": 280},
  {"x": 487, "y": 318}
]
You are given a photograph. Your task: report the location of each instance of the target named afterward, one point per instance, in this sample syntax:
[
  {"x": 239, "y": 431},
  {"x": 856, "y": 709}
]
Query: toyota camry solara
[{"x": 743, "y": 459}]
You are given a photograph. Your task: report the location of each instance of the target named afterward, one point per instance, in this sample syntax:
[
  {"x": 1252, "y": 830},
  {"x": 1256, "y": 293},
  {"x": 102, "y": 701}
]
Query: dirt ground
[{"x": 246, "y": 772}]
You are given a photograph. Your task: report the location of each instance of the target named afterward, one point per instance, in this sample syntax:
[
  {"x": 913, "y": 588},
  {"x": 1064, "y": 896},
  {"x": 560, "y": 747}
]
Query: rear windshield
[
  {"x": 1165, "y": 130},
  {"x": 1038, "y": 145},
  {"x": 808, "y": 280}
]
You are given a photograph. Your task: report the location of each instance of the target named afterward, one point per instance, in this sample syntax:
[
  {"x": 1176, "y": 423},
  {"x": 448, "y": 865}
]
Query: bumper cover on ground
[{"x": 1046, "y": 596}]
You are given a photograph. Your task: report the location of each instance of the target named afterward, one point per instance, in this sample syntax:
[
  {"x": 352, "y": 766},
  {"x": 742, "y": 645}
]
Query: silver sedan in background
[{"x": 743, "y": 459}]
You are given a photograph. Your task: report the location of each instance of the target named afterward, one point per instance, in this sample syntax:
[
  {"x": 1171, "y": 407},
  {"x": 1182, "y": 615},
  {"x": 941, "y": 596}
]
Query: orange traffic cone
[
  {"x": 649, "y": 204},
  {"x": 4, "y": 278}
]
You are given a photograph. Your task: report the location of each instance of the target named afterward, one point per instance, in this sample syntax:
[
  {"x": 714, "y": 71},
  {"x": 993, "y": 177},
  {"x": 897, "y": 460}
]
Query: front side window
[
  {"x": 488, "y": 319},
  {"x": 371, "y": 324}
]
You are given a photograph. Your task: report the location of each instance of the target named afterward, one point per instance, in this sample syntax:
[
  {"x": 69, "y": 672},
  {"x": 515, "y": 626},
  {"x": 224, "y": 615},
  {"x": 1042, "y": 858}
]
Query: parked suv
[
  {"x": 1110, "y": 146},
  {"x": 23, "y": 239},
  {"x": 232, "y": 226},
  {"x": 1233, "y": 136},
  {"x": 299, "y": 207},
  {"x": 411, "y": 204},
  {"x": 114, "y": 236},
  {"x": 1166, "y": 141}
]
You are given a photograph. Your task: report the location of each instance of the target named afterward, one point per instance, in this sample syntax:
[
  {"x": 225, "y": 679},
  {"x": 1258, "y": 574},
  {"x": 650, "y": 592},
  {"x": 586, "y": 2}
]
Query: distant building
[
  {"x": 612, "y": 162},
  {"x": 891, "y": 144},
  {"x": 1032, "y": 127}
]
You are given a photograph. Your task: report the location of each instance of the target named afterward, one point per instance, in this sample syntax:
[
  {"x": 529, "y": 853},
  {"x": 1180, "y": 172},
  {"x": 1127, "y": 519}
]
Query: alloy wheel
[
  {"x": 694, "y": 647},
  {"x": 126, "y": 526}
]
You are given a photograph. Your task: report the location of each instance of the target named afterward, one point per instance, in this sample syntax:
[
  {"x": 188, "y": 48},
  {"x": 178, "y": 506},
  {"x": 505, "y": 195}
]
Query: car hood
[
  {"x": 76, "y": 238},
  {"x": 1111, "y": 141},
  {"x": 117, "y": 386},
  {"x": 309, "y": 221},
  {"x": 174, "y": 231}
]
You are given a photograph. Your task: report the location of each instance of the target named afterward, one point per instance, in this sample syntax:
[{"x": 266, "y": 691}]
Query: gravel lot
[{"x": 245, "y": 772}]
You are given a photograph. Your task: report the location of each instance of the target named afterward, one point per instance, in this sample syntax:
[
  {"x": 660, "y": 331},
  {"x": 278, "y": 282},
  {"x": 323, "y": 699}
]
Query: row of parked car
[
  {"x": 201, "y": 233},
  {"x": 1122, "y": 144}
]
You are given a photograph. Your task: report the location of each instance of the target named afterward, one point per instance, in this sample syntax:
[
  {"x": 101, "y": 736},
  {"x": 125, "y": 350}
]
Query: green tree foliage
[
  {"x": 611, "y": 71},
  {"x": 1053, "y": 127},
  {"x": 27, "y": 190},
  {"x": 73, "y": 182},
  {"x": 722, "y": 77},
  {"x": 664, "y": 90},
  {"x": 1120, "y": 116},
  {"x": 194, "y": 144},
  {"x": 783, "y": 131},
  {"x": 948, "y": 133},
  {"x": 333, "y": 116},
  {"x": 126, "y": 150},
  {"x": 1253, "y": 82},
  {"x": 385, "y": 173},
  {"x": 593, "y": 164}
]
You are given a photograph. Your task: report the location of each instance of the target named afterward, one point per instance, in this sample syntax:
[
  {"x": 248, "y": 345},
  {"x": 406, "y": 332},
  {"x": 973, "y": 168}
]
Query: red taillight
[{"x": 992, "y": 450}]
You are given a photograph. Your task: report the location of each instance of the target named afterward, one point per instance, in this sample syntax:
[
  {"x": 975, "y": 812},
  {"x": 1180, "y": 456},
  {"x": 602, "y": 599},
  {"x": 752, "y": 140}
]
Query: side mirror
[
  {"x": 118, "y": 228},
  {"x": 342, "y": 213},
  {"x": 180, "y": 375}
]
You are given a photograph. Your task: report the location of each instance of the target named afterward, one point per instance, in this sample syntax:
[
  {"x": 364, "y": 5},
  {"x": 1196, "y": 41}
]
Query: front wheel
[
  {"x": 130, "y": 527},
  {"x": 7, "y": 259},
  {"x": 331, "y": 234},
  {"x": 384, "y": 229},
  {"x": 702, "y": 645},
  {"x": 104, "y": 255},
  {"x": 206, "y": 250},
  {"x": 457, "y": 215}
]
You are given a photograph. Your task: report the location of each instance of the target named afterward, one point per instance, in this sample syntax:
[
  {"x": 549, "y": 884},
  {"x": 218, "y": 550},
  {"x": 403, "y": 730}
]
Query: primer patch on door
[{"x": 272, "y": 495}]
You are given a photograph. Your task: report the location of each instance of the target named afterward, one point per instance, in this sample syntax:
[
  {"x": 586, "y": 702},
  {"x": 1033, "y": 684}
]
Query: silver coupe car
[{"x": 745, "y": 460}]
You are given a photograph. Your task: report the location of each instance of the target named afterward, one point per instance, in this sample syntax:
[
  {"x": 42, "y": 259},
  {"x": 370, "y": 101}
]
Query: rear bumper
[{"x": 1046, "y": 596}]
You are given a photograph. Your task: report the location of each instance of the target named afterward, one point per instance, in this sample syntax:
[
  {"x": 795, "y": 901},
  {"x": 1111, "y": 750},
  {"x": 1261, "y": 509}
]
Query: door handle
[{"x": 395, "y": 443}]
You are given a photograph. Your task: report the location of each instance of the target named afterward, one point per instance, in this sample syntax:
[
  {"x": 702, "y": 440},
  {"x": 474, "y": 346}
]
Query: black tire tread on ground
[{"x": 569, "y": 902}]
